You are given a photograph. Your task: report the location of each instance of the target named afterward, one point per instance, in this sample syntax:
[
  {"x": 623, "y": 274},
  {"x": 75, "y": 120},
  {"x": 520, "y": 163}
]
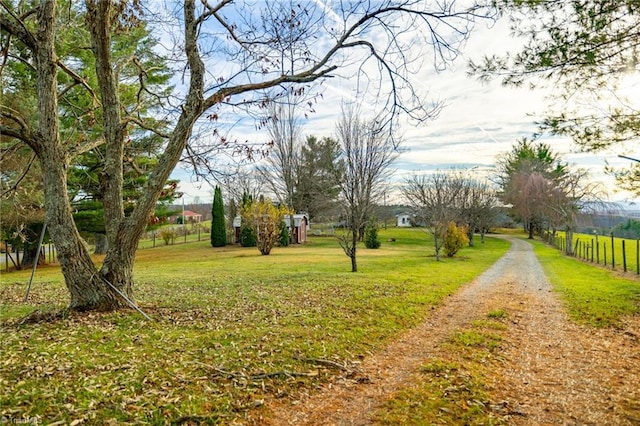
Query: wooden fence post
[
  {"x": 613, "y": 253},
  {"x": 624, "y": 257},
  {"x": 638, "y": 256}
]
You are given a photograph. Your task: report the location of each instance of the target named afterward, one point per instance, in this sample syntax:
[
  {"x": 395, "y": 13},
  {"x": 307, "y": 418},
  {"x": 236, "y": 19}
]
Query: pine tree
[
  {"x": 371, "y": 240},
  {"x": 218, "y": 226}
]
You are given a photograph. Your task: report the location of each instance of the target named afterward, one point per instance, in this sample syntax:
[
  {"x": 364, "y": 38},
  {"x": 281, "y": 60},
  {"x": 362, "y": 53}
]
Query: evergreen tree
[
  {"x": 587, "y": 51},
  {"x": 371, "y": 240},
  {"x": 218, "y": 226},
  {"x": 284, "y": 234},
  {"x": 248, "y": 237}
]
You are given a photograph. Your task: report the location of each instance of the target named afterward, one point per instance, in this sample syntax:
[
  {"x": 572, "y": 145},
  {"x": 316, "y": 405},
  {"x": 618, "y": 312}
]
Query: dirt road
[{"x": 554, "y": 372}]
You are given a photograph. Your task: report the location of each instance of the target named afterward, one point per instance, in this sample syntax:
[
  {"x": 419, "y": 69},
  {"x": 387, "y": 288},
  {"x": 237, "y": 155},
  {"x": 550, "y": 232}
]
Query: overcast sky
[{"x": 479, "y": 121}]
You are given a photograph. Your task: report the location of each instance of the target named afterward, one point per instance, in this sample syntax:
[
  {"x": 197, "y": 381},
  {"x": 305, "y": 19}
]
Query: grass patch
[
  {"x": 593, "y": 295},
  {"x": 498, "y": 314},
  {"x": 476, "y": 338},
  {"x": 489, "y": 324},
  {"x": 229, "y": 326},
  {"x": 452, "y": 389}
]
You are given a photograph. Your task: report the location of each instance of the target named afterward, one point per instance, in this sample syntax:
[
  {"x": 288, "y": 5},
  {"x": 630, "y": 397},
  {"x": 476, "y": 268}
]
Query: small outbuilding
[
  {"x": 403, "y": 220},
  {"x": 189, "y": 217},
  {"x": 300, "y": 227}
]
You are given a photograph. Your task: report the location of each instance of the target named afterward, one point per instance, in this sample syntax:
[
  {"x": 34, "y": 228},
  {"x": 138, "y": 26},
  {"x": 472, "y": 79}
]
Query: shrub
[
  {"x": 248, "y": 237},
  {"x": 265, "y": 219},
  {"x": 284, "y": 235},
  {"x": 168, "y": 236},
  {"x": 371, "y": 240},
  {"x": 455, "y": 238}
]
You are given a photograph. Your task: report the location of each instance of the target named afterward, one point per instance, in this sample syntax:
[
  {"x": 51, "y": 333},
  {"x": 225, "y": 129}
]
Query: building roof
[{"x": 297, "y": 219}]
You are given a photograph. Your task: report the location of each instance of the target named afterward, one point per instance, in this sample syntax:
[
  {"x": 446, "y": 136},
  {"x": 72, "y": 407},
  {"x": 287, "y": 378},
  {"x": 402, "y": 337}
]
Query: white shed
[{"x": 403, "y": 220}]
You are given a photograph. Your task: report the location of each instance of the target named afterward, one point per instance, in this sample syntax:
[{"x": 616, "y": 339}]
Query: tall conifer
[{"x": 218, "y": 226}]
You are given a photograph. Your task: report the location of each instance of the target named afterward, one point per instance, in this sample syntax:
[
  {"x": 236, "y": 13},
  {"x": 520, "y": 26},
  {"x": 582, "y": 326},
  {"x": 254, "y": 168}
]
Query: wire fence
[
  {"x": 13, "y": 258},
  {"x": 615, "y": 253}
]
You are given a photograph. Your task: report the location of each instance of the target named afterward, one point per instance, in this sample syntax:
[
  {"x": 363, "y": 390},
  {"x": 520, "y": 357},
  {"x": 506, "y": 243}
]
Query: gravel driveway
[{"x": 554, "y": 372}]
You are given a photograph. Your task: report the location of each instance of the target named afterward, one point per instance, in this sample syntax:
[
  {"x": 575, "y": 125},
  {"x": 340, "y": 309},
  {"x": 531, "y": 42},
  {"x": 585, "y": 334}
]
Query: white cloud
[{"x": 479, "y": 121}]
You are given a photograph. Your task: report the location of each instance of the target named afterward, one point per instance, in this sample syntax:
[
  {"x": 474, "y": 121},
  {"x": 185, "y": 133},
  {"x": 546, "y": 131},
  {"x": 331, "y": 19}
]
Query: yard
[
  {"x": 240, "y": 338},
  {"x": 230, "y": 328}
]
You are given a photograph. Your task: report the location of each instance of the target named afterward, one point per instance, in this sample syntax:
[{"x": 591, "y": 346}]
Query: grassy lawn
[
  {"x": 593, "y": 295},
  {"x": 231, "y": 328}
]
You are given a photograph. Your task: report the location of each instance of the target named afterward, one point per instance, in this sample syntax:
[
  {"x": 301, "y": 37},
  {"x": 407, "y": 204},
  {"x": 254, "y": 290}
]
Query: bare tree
[
  {"x": 529, "y": 194},
  {"x": 480, "y": 207},
  {"x": 367, "y": 154},
  {"x": 240, "y": 182},
  {"x": 571, "y": 195},
  {"x": 437, "y": 199},
  {"x": 282, "y": 171},
  {"x": 233, "y": 57}
]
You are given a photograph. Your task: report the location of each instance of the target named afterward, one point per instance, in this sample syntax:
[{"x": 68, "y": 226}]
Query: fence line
[
  {"x": 591, "y": 249},
  {"x": 12, "y": 258}
]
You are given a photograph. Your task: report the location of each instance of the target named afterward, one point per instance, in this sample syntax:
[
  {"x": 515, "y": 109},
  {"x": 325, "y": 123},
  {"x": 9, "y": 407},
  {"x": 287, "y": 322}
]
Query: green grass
[
  {"x": 229, "y": 327},
  {"x": 600, "y": 250},
  {"x": 593, "y": 295}
]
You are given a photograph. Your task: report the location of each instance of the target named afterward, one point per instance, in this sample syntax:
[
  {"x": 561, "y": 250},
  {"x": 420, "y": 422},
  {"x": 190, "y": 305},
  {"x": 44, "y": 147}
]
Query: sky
[{"x": 478, "y": 122}]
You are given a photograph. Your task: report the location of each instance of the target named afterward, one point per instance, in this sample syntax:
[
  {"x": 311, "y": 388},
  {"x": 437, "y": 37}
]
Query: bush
[
  {"x": 455, "y": 238},
  {"x": 266, "y": 220},
  {"x": 168, "y": 236},
  {"x": 248, "y": 237},
  {"x": 371, "y": 240},
  {"x": 284, "y": 235}
]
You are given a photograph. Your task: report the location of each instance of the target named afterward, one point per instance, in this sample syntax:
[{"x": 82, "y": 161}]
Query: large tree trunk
[
  {"x": 32, "y": 255},
  {"x": 101, "y": 243},
  {"x": 87, "y": 289},
  {"x": 85, "y": 285},
  {"x": 123, "y": 233},
  {"x": 99, "y": 18},
  {"x": 569, "y": 248}
]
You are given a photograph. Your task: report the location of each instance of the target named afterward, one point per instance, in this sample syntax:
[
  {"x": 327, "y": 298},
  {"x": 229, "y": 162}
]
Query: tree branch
[
  {"x": 22, "y": 176},
  {"x": 79, "y": 80},
  {"x": 17, "y": 28},
  {"x": 22, "y": 132}
]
